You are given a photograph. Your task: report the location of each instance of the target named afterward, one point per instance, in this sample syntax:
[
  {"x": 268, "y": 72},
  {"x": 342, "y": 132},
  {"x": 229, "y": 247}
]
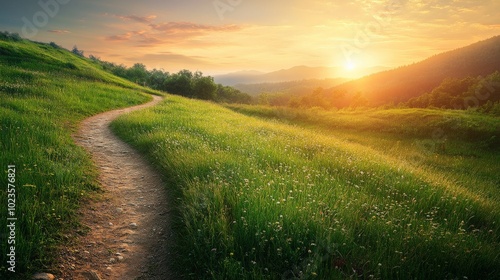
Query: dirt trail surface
[{"x": 127, "y": 234}]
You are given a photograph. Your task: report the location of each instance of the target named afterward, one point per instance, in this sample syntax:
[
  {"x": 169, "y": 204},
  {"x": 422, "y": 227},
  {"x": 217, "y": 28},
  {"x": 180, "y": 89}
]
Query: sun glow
[
  {"x": 351, "y": 69},
  {"x": 350, "y": 66}
]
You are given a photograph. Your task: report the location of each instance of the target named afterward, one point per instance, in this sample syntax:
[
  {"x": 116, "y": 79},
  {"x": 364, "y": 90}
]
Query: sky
[{"x": 221, "y": 36}]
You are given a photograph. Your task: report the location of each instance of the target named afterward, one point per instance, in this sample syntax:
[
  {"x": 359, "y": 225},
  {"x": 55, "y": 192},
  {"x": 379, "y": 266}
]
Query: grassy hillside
[
  {"x": 457, "y": 143},
  {"x": 44, "y": 92},
  {"x": 262, "y": 199},
  {"x": 450, "y": 127}
]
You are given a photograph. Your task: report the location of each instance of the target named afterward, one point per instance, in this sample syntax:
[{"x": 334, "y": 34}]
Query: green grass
[
  {"x": 44, "y": 93},
  {"x": 469, "y": 126},
  {"x": 462, "y": 146},
  {"x": 263, "y": 199},
  {"x": 385, "y": 194}
]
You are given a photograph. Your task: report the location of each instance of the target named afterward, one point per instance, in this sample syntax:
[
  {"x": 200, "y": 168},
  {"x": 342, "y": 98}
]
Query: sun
[
  {"x": 350, "y": 66},
  {"x": 350, "y": 69}
]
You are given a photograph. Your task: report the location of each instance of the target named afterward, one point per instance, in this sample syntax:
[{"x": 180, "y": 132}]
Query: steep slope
[
  {"x": 45, "y": 91},
  {"x": 404, "y": 83}
]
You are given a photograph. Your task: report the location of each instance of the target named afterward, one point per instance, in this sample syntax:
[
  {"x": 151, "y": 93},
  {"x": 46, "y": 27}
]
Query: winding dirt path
[{"x": 127, "y": 225}]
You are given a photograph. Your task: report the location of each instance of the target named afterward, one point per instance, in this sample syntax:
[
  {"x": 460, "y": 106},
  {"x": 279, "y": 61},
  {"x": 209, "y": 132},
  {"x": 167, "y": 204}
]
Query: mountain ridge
[
  {"x": 409, "y": 81},
  {"x": 295, "y": 73}
]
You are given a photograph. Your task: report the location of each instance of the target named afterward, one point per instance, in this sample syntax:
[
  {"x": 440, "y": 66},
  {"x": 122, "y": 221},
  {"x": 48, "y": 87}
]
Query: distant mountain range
[
  {"x": 292, "y": 88},
  {"x": 404, "y": 83},
  {"x": 296, "y": 73},
  {"x": 385, "y": 86}
]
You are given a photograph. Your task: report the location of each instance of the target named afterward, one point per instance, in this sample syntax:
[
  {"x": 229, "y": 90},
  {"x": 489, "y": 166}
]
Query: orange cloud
[
  {"x": 189, "y": 27},
  {"x": 168, "y": 33},
  {"x": 146, "y": 19},
  {"x": 59, "y": 31},
  {"x": 122, "y": 37}
]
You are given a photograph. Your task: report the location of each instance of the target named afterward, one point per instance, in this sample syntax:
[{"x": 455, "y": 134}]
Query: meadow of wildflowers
[{"x": 260, "y": 199}]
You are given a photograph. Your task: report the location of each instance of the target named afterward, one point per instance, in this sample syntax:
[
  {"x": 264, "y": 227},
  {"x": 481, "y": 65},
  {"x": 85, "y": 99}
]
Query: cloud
[
  {"x": 59, "y": 31},
  {"x": 145, "y": 19},
  {"x": 121, "y": 37},
  {"x": 154, "y": 33},
  {"x": 149, "y": 41},
  {"x": 174, "y": 57},
  {"x": 190, "y": 27},
  {"x": 171, "y": 33},
  {"x": 174, "y": 61},
  {"x": 142, "y": 36}
]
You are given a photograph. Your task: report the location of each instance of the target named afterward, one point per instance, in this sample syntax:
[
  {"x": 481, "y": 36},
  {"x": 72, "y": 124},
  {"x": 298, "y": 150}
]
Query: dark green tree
[
  {"x": 157, "y": 79},
  {"x": 204, "y": 87},
  {"x": 76, "y": 51},
  {"x": 180, "y": 83},
  {"x": 138, "y": 73}
]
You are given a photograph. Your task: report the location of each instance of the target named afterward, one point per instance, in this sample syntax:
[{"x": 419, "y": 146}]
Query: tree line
[
  {"x": 184, "y": 83},
  {"x": 479, "y": 93},
  {"x": 469, "y": 92}
]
